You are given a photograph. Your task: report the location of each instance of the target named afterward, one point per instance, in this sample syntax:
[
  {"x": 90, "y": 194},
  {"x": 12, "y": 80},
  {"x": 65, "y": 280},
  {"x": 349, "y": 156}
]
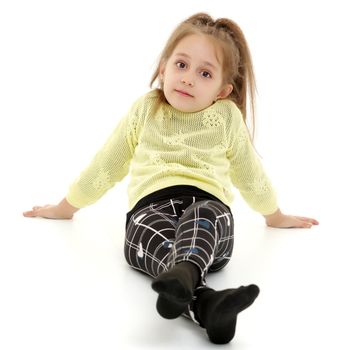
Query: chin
[{"x": 182, "y": 106}]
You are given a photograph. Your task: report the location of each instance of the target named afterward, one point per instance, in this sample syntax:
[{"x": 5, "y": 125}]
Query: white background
[{"x": 69, "y": 70}]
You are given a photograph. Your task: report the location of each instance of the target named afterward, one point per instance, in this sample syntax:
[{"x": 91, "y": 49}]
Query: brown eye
[
  {"x": 181, "y": 65},
  {"x": 206, "y": 74}
]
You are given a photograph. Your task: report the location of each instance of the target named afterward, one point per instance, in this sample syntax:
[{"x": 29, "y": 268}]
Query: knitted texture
[{"x": 209, "y": 149}]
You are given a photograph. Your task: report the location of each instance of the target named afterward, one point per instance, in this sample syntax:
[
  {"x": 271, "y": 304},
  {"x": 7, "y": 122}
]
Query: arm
[
  {"x": 246, "y": 171},
  {"x": 62, "y": 210},
  {"x": 110, "y": 164},
  {"x": 248, "y": 175}
]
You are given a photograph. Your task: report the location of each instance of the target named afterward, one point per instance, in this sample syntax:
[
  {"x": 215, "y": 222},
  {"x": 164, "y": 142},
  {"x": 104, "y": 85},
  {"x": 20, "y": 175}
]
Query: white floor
[{"x": 66, "y": 285}]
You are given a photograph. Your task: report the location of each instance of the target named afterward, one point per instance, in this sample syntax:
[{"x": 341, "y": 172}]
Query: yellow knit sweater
[{"x": 209, "y": 149}]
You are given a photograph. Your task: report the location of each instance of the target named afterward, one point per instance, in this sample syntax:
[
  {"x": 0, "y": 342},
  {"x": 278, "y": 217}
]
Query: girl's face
[{"x": 192, "y": 76}]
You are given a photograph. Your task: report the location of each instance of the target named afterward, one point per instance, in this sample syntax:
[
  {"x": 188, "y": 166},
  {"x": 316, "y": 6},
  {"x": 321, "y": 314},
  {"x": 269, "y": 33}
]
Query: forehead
[{"x": 201, "y": 47}]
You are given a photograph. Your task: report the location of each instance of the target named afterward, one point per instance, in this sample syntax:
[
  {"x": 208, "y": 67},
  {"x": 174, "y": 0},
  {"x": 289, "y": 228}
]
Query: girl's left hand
[{"x": 280, "y": 220}]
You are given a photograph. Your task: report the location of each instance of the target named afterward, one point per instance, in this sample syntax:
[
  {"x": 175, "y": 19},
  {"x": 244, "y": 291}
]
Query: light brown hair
[{"x": 237, "y": 63}]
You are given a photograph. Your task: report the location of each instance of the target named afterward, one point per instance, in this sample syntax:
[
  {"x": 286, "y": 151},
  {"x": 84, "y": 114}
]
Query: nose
[{"x": 187, "y": 80}]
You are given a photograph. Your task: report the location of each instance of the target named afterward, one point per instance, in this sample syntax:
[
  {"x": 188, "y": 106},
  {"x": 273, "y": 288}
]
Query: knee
[
  {"x": 205, "y": 208},
  {"x": 201, "y": 214}
]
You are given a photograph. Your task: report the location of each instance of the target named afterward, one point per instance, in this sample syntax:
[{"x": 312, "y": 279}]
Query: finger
[
  {"x": 29, "y": 213},
  {"x": 310, "y": 220},
  {"x": 295, "y": 222},
  {"x": 298, "y": 224},
  {"x": 305, "y": 224}
]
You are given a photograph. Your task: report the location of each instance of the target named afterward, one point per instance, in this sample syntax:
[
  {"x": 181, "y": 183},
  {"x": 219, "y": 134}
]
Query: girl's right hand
[
  {"x": 47, "y": 211},
  {"x": 63, "y": 210}
]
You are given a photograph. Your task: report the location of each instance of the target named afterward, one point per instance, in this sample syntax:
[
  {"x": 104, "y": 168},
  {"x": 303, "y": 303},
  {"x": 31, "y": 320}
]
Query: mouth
[{"x": 183, "y": 93}]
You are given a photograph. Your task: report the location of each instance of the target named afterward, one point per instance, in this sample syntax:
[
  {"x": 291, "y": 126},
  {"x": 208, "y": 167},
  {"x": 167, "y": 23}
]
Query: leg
[
  {"x": 203, "y": 243},
  {"x": 150, "y": 236},
  {"x": 204, "y": 237}
]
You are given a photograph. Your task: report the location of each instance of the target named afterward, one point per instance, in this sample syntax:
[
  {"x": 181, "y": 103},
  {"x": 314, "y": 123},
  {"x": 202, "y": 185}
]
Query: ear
[
  {"x": 225, "y": 91},
  {"x": 161, "y": 70}
]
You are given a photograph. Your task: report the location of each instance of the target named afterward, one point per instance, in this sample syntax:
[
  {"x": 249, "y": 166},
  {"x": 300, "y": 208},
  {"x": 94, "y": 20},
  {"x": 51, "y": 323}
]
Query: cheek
[
  {"x": 171, "y": 80},
  {"x": 210, "y": 90}
]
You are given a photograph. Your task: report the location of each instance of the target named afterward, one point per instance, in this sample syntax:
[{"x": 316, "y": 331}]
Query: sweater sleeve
[
  {"x": 109, "y": 165},
  {"x": 246, "y": 170}
]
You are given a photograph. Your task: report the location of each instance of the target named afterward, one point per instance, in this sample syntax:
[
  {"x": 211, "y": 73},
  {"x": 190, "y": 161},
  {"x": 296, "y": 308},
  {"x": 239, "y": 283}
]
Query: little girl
[{"x": 184, "y": 143}]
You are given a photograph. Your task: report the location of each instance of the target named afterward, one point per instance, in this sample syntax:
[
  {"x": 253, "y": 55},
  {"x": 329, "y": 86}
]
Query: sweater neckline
[{"x": 169, "y": 109}]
